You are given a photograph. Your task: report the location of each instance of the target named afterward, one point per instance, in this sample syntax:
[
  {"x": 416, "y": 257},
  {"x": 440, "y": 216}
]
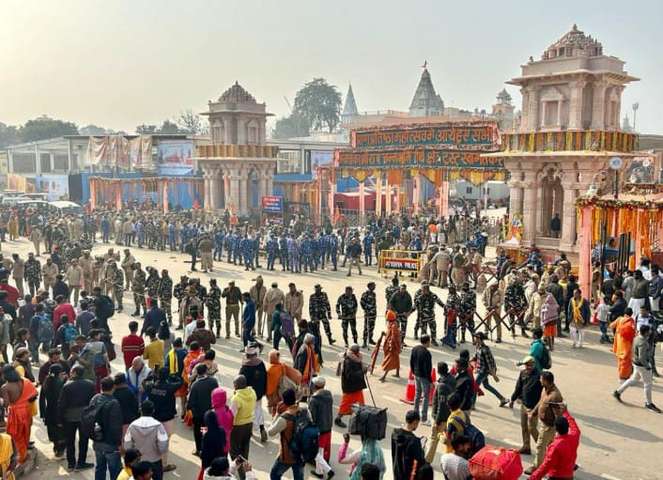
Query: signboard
[
  {"x": 455, "y": 135},
  {"x": 272, "y": 204},
  {"x": 420, "y": 158},
  {"x": 400, "y": 261},
  {"x": 56, "y": 187},
  {"x": 175, "y": 152},
  {"x": 405, "y": 264}
]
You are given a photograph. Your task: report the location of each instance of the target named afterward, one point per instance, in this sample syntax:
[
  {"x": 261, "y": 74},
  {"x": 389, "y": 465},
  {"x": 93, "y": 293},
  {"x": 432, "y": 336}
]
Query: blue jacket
[{"x": 249, "y": 315}]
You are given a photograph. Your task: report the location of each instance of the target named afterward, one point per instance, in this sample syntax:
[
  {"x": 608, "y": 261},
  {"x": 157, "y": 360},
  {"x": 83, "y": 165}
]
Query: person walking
[
  {"x": 486, "y": 366},
  {"x": 622, "y": 347},
  {"x": 578, "y": 314},
  {"x": 127, "y": 400},
  {"x": 273, "y": 297},
  {"x": 353, "y": 383},
  {"x": 285, "y": 425},
  {"x": 106, "y": 446},
  {"x": 200, "y": 401},
  {"x": 48, "y": 407},
  {"x": 253, "y": 369},
  {"x": 76, "y": 394},
  {"x": 149, "y": 437},
  {"x": 391, "y": 347},
  {"x": 346, "y": 309},
  {"x": 368, "y": 304},
  {"x": 242, "y": 405},
  {"x": 642, "y": 368},
  {"x": 401, "y": 303},
  {"x": 421, "y": 366},
  {"x": 544, "y": 409},
  {"x": 561, "y": 455},
  {"x": 321, "y": 406},
  {"x": 248, "y": 320},
  {"x": 214, "y": 444},
  {"x": 407, "y": 454},
  {"x": 528, "y": 392}
]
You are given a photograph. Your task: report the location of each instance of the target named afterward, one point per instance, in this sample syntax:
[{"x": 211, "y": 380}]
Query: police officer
[
  {"x": 138, "y": 289},
  {"x": 368, "y": 249},
  {"x": 468, "y": 305},
  {"x": 283, "y": 252},
  {"x": 165, "y": 292},
  {"x": 319, "y": 310},
  {"x": 213, "y": 302},
  {"x": 272, "y": 248},
  {"x": 424, "y": 302},
  {"x": 369, "y": 305},
  {"x": 346, "y": 309}
]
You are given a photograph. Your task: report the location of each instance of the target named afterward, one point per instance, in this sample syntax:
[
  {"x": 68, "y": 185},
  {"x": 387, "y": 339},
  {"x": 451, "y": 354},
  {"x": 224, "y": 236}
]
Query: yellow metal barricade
[{"x": 400, "y": 262}]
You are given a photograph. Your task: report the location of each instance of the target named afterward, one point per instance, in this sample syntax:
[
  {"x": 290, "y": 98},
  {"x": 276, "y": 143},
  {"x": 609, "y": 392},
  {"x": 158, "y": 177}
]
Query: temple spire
[
  {"x": 426, "y": 102},
  {"x": 350, "y": 107}
]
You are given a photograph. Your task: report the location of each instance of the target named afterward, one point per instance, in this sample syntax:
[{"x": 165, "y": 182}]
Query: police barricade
[{"x": 400, "y": 262}]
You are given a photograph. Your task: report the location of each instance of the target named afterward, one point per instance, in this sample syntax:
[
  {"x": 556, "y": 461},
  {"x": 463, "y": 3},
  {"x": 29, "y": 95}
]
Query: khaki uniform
[
  {"x": 49, "y": 272},
  {"x": 74, "y": 278},
  {"x": 127, "y": 263},
  {"x": 18, "y": 273}
]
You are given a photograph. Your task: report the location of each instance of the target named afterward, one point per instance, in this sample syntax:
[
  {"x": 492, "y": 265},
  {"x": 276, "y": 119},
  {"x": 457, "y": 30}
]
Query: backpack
[
  {"x": 90, "y": 425},
  {"x": 475, "y": 435},
  {"x": 546, "y": 358},
  {"x": 305, "y": 437},
  {"x": 286, "y": 383},
  {"x": 369, "y": 422},
  {"x": 287, "y": 327},
  {"x": 69, "y": 333},
  {"x": 45, "y": 332},
  {"x": 106, "y": 307}
]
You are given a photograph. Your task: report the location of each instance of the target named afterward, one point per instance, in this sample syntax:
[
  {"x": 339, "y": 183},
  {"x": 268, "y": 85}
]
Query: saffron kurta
[
  {"x": 19, "y": 419},
  {"x": 622, "y": 347},
  {"x": 392, "y": 347}
]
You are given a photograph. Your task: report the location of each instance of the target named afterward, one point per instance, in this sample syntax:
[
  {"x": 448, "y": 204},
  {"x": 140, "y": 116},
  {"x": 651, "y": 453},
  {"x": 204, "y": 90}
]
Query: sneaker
[
  {"x": 169, "y": 468},
  {"x": 339, "y": 423},
  {"x": 530, "y": 470},
  {"x": 503, "y": 402},
  {"x": 330, "y": 474},
  {"x": 653, "y": 408},
  {"x": 618, "y": 396},
  {"x": 317, "y": 475}
]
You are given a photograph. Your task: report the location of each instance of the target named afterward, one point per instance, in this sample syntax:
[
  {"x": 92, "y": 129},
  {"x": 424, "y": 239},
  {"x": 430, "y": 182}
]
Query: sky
[{"x": 121, "y": 63}]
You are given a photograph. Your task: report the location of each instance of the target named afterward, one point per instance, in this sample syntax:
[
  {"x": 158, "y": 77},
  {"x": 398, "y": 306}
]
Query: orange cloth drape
[
  {"x": 622, "y": 347},
  {"x": 394, "y": 177}
]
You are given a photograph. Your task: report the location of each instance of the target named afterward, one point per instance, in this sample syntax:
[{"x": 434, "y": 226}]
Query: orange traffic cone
[{"x": 408, "y": 397}]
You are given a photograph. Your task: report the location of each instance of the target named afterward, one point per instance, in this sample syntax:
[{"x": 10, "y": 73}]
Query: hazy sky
[{"x": 120, "y": 63}]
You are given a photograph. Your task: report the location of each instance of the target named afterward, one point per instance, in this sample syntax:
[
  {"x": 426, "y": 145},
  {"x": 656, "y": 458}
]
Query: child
[{"x": 602, "y": 314}]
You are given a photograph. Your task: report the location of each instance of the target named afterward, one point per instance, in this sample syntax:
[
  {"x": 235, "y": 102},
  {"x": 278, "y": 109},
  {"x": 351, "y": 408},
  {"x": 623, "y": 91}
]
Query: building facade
[
  {"x": 238, "y": 167},
  {"x": 569, "y": 131}
]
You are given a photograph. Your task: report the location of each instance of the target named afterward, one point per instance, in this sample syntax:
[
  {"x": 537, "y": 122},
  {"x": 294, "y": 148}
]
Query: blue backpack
[
  {"x": 45, "y": 332},
  {"x": 69, "y": 333}
]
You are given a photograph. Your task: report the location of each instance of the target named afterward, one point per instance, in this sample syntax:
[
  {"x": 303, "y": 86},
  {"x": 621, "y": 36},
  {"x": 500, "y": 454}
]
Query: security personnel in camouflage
[
  {"x": 369, "y": 305},
  {"x": 152, "y": 282},
  {"x": 468, "y": 305},
  {"x": 319, "y": 310},
  {"x": 118, "y": 285},
  {"x": 346, "y": 309},
  {"x": 391, "y": 289},
  {"x": 138, "y": 289},
  {"x": 166, "y": 295},
  {"x": 213, "y": 302},
  {"x": 424, "y": 302}
]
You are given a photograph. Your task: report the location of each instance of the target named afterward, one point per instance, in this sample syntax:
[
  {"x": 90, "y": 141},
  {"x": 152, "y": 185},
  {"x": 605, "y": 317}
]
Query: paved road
[{"x": 618, "y": 441}]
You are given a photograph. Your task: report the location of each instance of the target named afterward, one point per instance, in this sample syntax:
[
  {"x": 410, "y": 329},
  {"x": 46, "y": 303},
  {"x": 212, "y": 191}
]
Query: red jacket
[
  {"x": 132, "y": 346},
  {"x": 12, "y": 294},
  {"x": 561, "y": 455},
  {"x": 63, "y": 309}
]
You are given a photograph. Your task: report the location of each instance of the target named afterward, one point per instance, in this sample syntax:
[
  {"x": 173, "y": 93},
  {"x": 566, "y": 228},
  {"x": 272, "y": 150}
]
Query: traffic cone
[{"x": 408, "y": 397}]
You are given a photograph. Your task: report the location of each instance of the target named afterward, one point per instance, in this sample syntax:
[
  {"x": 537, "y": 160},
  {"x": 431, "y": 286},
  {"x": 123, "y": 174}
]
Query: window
[
  {"x": 288, "y": 161},
  {"x": 253, "y": 135},
  {"x": 468, "y": 190}
]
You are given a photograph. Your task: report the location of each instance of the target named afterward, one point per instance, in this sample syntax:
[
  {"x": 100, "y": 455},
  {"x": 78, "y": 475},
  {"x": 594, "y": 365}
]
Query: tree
[
  {"x": 146, "y": 129},
  {"x": 292, "y": 126},
  {"x": 189, "y": 122},
  {"x": 8, "y": 135},
  {"x": 169, "y": 127},
  {"x": 320, "y": 104},
  {"x": 93, "y": 130},
  {"x": 44, "y": 127}
]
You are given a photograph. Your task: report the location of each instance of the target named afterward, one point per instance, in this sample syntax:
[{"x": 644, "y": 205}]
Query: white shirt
[{"x": 455, "y": 467}]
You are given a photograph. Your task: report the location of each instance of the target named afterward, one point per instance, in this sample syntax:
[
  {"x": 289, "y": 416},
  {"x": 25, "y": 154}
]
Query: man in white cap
[{"x": 321, "y": 406}]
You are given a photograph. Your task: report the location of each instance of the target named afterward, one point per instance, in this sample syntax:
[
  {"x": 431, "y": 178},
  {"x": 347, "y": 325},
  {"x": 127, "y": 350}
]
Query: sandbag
[
  {"x": 370, "y": 422},
  {"x": 496, "y": 463}
]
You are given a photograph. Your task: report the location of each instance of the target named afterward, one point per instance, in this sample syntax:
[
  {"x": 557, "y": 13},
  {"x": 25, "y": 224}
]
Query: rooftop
[{"x": 574, "y": 44}]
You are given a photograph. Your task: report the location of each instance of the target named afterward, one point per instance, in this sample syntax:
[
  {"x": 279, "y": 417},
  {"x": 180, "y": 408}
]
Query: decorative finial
[
  {"x": 575, "y": 27},
  {"x": 425, "y": 64}
]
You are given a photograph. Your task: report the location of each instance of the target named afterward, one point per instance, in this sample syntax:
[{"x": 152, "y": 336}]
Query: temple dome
[
  {"x": 574, "y": 44},
  {"x": 237, "y": 94}
]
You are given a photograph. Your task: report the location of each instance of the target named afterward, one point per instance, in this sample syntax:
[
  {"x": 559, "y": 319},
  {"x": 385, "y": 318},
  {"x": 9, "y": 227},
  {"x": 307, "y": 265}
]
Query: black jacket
[
  {"x": 256, "y": 377},
  {"x": 421, "y": 362},
  {"x": 352, "y": 377},
  {"x": 528, "y": 389},
  {"x": 200, "y": 396},
  {"x": 321, "y": 406},
  {"x": 444, "y": 388},
  {"x": 401, "y": 302},
  {"x": 108, "y": 415},
  {"x": 405, "y": 449},
  {"x": 74, "y": 397},
  {"x": 128, "y": 404},
  {"x": 162, "y": 394},
  {"x": 465, "y": 388}
]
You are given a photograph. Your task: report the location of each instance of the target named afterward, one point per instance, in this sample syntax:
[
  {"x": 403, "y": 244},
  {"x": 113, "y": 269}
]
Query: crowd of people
[{"x": 60, "y": 309}]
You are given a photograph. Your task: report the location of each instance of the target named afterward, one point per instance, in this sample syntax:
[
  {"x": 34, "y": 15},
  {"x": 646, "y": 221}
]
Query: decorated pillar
[
  {"x": 398, "y": 198},
  {"x": 234, "y": 190},
  {"x": 569, "y": 218},
  {"x": 165, "y": 196},
  {"x": 206, "y": 190},
  {"x": 416, "y": 193},
  {"x": 243, "y": 193},
  {"x": 575, "y": 105},
  {"x": 388, "y": 200},
  {"x": 226, "y": 188},
  {"x": 515, "y": 198},
  {"x": 444, "y": 198},
  {"x": 598, "y": 106},
  {"x": 118, "y": 195},
  {"x": 585, "y": 251},
  {"x": 378, "y": 195},
  {"x": 362, "y": 202},
  {"x": 530, "y": 208}
]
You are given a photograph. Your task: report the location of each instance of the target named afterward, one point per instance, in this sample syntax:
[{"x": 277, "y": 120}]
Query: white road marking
[{"x": 607, "y": 476}]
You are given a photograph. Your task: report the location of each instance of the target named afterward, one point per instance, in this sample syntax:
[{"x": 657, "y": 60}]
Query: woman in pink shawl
[
  {"x": 223, "y": 413},
  {"x": 549, "y": 316}
]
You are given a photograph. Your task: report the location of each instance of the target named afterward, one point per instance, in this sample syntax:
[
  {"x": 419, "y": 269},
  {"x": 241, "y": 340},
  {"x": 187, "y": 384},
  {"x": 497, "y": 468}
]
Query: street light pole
[{"x": 636, "y": 105}]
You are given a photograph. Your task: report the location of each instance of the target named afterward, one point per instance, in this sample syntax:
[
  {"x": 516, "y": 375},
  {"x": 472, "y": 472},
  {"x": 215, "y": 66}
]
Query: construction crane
[{"x": 287, "y": 102}]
